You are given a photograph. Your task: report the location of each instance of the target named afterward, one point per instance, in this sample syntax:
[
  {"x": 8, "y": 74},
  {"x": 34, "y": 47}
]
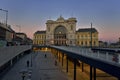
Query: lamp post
[
  {"x": 91, "y": 36},
  {"x": 6, "y": 15},
  {"x": 23, "y": 73}
]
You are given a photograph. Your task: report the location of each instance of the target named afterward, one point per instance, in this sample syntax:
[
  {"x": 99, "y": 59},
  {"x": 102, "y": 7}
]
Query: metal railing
[
  {"x": 109, "y": 55},
  {"x": 7, "y": 53}
]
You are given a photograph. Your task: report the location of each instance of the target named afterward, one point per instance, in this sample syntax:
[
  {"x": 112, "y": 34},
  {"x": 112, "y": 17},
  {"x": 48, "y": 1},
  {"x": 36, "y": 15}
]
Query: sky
[{"x": 28, "y": 16}]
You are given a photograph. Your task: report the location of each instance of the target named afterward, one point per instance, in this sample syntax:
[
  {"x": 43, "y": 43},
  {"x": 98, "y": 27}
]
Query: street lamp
[
  {"x": 6, "y": 15},
  {"x": 91, "y": 36},
  {"x": 23, "y": 73}
]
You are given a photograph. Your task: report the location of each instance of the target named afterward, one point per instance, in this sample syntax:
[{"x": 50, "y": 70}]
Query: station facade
[{"x": 62, "y": 32}]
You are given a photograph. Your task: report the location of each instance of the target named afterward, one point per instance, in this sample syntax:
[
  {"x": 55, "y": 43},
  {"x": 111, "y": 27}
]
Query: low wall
[{"x": 8, "y": 53}]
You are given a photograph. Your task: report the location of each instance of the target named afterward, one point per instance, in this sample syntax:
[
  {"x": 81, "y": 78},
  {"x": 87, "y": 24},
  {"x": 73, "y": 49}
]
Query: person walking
[
  {"x": 45, "y": 55},
  {"x": 27, "y": 63}
]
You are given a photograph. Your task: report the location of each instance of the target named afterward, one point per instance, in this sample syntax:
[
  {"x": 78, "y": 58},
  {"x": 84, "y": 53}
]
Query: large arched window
[{"x": 60, "y": 35}]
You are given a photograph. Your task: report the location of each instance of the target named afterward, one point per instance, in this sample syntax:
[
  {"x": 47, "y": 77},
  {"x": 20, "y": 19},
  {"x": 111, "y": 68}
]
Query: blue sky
[{"x": 32, "y": 15}]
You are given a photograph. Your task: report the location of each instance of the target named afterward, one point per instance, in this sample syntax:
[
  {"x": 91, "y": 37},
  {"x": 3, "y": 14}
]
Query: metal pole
[
  {"x": 94, "y": 73},
  {"x": 90, "y": 72},
  {"x": 74, "y": 69},
  {"x": 67, "y": 64},
  {"x": 6, "y": 15},
  {"x": 91, "y": 36}
]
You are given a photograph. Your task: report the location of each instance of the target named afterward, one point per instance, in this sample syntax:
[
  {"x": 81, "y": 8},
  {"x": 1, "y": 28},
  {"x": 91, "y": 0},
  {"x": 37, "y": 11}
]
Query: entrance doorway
[{"x": 60, "y": 37}]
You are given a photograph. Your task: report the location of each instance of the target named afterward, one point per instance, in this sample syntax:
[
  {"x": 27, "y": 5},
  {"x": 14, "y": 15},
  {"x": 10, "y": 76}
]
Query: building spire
[
  {"x": 60, "y": 15},
  {"x": 60, "y": 18}
]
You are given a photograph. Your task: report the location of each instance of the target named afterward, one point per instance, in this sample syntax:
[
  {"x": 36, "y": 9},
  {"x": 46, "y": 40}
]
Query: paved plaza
[{"x": 43, "y": 68}]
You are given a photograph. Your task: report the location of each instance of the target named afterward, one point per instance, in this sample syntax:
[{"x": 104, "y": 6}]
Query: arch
[
  {"x": 60, "y": 37},
  {"x": 60, "y": 30}
]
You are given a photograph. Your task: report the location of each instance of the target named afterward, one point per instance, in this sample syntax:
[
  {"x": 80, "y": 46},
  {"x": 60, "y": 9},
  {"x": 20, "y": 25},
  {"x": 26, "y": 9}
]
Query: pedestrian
[
  {"x": 55, "y": 63},
  {"x": 27, "y": 63},
  {"x": 45, "y": 55}
]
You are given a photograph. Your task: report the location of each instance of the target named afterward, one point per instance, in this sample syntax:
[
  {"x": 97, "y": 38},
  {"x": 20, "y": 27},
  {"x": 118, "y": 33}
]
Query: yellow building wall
[
  {"x": 84, "y": 39},
  {"x": 39, "y": 39}
]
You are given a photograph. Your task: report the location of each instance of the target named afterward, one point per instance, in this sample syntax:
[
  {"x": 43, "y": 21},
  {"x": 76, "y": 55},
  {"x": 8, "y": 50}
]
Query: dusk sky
[{"x": 32, "y": 15}]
